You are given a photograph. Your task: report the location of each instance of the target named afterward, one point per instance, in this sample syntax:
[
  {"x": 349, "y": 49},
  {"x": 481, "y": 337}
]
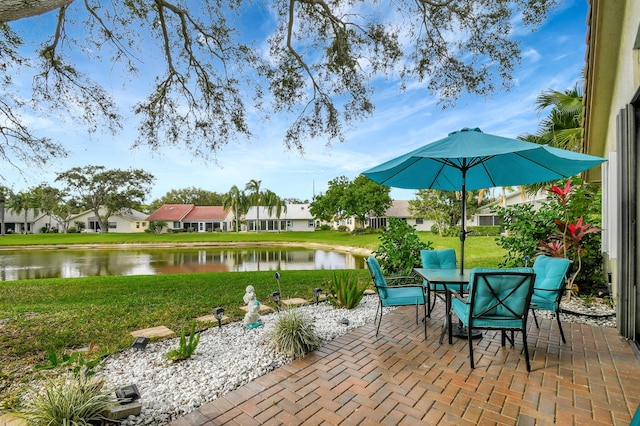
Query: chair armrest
[
  {"x": 550, "y": 289},
  {"x": 457, "y": 295},
  {"x": 388, "y": 287},
  {"x": 411, "y": 279}
]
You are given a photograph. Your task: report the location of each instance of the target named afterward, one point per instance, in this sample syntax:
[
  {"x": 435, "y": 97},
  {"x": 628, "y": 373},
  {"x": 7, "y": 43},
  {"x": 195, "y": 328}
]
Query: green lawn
[{"x": 66, "y": 314}]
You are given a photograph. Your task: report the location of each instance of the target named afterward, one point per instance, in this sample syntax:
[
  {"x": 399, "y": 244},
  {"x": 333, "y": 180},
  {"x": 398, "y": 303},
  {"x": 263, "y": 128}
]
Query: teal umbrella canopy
[
  {"x": 470, "y": 159},
  {"x": 479, "y": 160}
]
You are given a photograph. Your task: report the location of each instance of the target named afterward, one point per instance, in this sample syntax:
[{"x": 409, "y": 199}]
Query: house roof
[
  {"x": 399, "y": 208},
  {"x": 171, "y": 212},
  {"x": 128, "y": 214},
  {"x": 207, "y": 213}
]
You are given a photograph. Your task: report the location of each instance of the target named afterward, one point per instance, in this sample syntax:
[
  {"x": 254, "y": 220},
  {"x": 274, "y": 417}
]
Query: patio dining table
[{"x": 449, "y": 278}]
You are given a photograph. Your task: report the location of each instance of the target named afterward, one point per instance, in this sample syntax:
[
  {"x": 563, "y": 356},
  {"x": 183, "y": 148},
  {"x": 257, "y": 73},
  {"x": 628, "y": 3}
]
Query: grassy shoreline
[{"x": 67, "y": 314}]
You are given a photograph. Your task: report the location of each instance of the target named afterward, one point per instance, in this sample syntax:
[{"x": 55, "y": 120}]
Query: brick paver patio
[{"x": 398, "y": 378}]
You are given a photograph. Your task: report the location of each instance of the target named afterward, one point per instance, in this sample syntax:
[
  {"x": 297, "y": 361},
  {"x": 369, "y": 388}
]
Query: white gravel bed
[
  {"x": 232, "y": 356},
  {"x": 598, "y": 313},
  {"x": 225, "y": 359}
]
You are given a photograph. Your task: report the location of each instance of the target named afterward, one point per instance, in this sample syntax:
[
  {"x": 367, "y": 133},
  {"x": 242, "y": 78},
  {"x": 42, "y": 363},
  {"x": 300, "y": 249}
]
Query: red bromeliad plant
[{"x": 569, "y": 237}]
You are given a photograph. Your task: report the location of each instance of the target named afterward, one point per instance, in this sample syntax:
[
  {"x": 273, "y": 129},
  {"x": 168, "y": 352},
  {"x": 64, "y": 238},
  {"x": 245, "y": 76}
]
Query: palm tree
[
  {"x": 4, "y": 194},
  {"x": 562, "y": 128},
  {"x": 23, "y": 202},
  {"x": 255, "y": 198},
  {"x": 236, "y": 200},
  {"x": 274, "y": 202}
]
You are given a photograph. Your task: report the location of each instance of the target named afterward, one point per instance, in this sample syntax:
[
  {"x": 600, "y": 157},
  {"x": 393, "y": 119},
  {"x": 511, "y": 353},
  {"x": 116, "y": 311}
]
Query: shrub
[
  {"x": 343, "y": 228},
  {"x": 78, "y": 401},
  {"x": 399, "y": 250},
  {"x": 364, "y": 231},
  {"x": 294, "y": 335},
  {"x": 345, "y": 290},
  {"x": 186, "y": 348},
  {"x": 526, "y": 227},
  {"x": 324, "y": 227}
]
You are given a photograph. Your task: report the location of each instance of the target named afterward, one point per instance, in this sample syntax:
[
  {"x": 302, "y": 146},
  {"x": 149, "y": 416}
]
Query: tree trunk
[
  {"x": 11, "y": 10},
  {"x": 2, "y": 227}
]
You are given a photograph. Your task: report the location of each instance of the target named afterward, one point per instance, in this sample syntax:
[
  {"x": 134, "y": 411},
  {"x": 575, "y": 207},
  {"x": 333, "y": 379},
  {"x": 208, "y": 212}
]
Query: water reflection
[{"x": 34, "y": 264}]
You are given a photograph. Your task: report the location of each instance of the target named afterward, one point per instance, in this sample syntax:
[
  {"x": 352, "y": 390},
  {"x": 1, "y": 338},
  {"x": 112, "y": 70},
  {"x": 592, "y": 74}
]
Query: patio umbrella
[{"x": 470, "y": 159}]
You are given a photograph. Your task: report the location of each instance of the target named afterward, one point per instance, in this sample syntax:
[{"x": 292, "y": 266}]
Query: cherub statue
[
  {"x": 249, "y": 295},
  {"x": 252, "y": 317}
]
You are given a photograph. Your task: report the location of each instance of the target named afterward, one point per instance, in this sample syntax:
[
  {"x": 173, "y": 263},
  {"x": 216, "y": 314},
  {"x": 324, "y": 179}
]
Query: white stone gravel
[
  {"x": 225, "y": 359},
  {"x": 232, "y": 356}
]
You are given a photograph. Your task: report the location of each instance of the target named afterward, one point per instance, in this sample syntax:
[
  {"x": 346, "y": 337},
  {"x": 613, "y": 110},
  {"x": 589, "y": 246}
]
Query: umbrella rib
[
  {"x": 415, "y": 160},
  {"x": 564, "y": 175}
]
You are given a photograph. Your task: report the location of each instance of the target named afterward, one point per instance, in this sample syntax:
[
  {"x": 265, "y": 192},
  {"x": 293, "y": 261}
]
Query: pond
[{"x": 72, "y": 263}]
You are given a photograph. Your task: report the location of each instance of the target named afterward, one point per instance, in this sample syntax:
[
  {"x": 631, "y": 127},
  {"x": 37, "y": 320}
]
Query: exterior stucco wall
[{"x": 614, "y": 78}]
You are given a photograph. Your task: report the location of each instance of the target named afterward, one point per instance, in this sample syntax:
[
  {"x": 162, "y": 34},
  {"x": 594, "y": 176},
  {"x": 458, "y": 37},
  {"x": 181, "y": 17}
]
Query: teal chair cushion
[
  {"x": 393, "y": 296},
  {"x": 496, "y": 315},
  {"x": 439, "y": 259},
  {"x": 550, "y": 275},
  {"x": 401, "y": 296}
]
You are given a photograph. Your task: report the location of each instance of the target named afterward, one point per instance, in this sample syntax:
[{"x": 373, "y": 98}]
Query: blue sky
[{"x": 553, "y": 58}]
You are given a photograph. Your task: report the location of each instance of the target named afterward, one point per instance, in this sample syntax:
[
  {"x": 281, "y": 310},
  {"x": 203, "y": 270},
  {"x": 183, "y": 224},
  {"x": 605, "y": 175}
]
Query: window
[
  {"x": 176, "y": 225},
  {"x": 419, "y": 221},
  {"x": 137, "y": 224},
  {"x": 113, "y": 225},
  {"x": 311, "y": 224}
]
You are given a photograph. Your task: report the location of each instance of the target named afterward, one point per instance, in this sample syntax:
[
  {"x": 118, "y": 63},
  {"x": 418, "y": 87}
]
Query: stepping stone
[
  {"x": 11, "y": 420},
  {"x": 369, "y": 292},
  {"x": 160, "y": 331},
  {"x": 295, "y": 301},
  {"x": 211, "y": 318}
]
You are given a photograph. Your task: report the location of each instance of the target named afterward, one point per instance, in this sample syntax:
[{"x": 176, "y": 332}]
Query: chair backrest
[
  {"x": 438, "y": 259},
  {"x": 500, "y": 294},
  {"x": 376, "y": 275},
  {"x": 550, "y": 275}
]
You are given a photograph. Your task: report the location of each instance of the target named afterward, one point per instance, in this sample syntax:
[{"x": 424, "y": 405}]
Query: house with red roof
[{"x": 193, "y": 218}]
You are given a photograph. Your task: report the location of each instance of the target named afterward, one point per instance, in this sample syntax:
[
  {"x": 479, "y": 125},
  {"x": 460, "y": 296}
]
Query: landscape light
[
  {"x": 140, "y": 343},
  {"x": 127, "y": 394},
  {"x": 276, "y": 299},
  {"x": 219, "y": 313},
  {"x": 317, "y": 292}
]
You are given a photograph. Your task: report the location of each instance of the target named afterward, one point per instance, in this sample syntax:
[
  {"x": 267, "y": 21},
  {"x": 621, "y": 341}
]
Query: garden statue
[{"x": 252, "y": 317}]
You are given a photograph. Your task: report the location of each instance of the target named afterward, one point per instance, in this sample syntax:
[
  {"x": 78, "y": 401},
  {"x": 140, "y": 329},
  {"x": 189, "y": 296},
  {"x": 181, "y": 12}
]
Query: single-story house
[
  {"x": 195, "y": 218},
  {"x": 484, "y": 216},
  {"x": 127, "y": 220},
  {"x": 400, "y": 209},
  {"x": 296, "y": 217},
  {"x": 16, "y": 223},
  {"x": 611, "y": 130}
]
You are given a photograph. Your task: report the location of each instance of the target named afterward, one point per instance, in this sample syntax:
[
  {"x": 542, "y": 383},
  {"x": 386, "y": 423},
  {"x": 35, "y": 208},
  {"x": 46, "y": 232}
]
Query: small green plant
[
  {"x": 294, "y": 335},
  {"x": 78, "y": 401},
  {"x": 345, "y": 290},
  {"x": 399, "y": 250},
  {"x": 186, "y": 348},
  {"x": 76, "y": 362}
]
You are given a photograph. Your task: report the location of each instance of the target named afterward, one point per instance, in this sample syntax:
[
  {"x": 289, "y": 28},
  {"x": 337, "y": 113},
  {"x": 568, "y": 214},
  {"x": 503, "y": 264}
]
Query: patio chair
[
  {"x": 549, "y": 287},
  {"x": 438, "y": 259},
  {"x": 498, "y": 300},
  {"x": 396, "y": 295}
]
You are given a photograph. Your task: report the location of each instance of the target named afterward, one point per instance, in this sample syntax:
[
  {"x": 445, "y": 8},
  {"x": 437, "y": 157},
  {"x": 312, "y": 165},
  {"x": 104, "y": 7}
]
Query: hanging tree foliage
[{"x": 311, "y": 60}]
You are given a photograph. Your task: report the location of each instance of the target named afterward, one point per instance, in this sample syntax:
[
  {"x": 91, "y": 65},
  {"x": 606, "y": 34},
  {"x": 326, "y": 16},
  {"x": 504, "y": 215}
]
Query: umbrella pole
[{"x": 463, "y": 232}]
